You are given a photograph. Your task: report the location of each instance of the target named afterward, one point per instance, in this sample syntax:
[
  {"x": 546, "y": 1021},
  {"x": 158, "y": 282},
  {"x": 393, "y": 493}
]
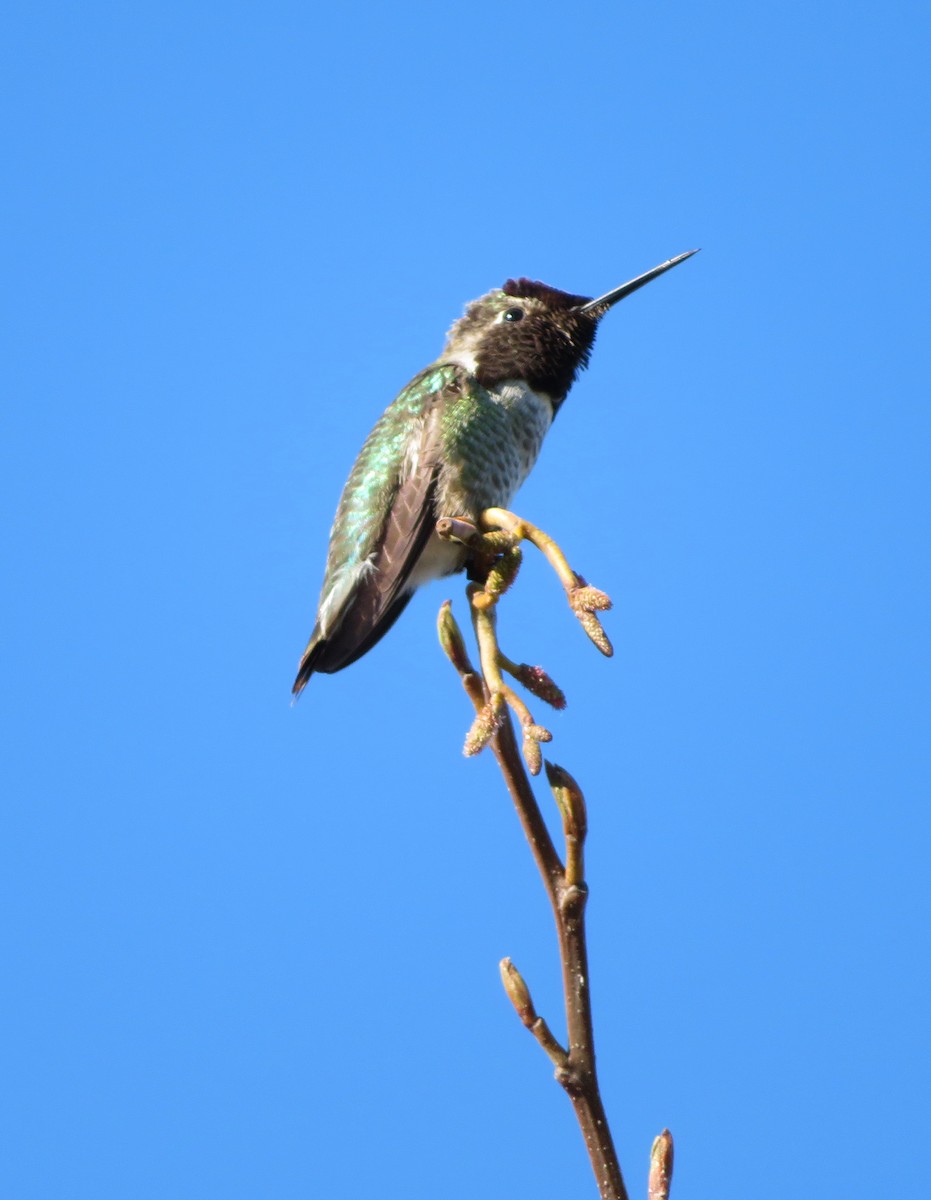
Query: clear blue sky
[{"x": 251, "y": 950}]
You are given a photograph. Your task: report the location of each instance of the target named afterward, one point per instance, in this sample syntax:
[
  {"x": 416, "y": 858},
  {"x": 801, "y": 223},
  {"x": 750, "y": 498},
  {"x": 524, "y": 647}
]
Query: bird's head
[{"x": 530, "y": 331}]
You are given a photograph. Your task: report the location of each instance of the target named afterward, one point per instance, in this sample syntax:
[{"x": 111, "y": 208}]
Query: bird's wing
[{"x": 383, "y": 522}]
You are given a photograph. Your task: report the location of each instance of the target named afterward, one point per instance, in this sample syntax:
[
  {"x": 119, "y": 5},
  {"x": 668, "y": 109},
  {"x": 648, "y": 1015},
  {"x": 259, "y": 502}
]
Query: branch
[
  {"x": 567, "y": 892},
  {"x": 495, "y": 558}
]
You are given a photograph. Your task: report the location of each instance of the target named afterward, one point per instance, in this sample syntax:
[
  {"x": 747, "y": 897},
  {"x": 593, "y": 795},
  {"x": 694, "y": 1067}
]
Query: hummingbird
[{"x": 461, "y": 437}]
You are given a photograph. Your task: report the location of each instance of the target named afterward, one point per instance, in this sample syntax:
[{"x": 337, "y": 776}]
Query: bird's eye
[{"x": 514, "y": 314}]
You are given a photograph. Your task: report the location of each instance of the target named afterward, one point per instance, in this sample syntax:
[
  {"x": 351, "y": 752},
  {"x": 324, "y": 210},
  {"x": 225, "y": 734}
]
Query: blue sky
[{"x": 251, "y": 950}]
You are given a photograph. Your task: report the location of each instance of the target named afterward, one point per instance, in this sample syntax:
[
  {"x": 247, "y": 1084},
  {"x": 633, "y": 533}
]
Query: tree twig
[
  {"x": 568, "y": 899},
  {"x": 495, "y": 560},
  {"x": 568, "y": 893},
  {"x": 660, "y": 1167}
]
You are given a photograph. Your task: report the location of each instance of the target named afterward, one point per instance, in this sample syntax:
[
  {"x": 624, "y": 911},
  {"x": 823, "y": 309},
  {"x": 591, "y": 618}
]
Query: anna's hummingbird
[{"x": 460, "y": 438}]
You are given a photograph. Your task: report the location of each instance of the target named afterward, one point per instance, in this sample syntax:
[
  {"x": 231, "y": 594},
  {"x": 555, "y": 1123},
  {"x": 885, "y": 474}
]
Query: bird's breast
[{"x": 492, "y": 438}]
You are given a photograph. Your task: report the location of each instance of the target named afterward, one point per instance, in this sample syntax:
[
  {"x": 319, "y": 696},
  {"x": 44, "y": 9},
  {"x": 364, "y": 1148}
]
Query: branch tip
[
  {"x": 451, "y": 639},
  {"x": 517, "y": 992},
  {"x": 455, "y": 529},
  {"x": 570, "y": 801},
  {"x": 661, "y": 1158}
]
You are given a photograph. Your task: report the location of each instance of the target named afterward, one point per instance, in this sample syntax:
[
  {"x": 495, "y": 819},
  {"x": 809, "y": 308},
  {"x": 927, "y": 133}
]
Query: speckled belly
[
  {"x": 494, "y": 446},
  {"x": 493, "y": 450}
]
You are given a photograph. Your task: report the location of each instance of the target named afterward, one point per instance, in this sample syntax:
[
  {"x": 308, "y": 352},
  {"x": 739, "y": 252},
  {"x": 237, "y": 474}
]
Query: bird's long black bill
[{"x": 603, "y": 303}]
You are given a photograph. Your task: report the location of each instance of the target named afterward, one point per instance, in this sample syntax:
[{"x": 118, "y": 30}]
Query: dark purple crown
[{"x": 532, "y": 289}]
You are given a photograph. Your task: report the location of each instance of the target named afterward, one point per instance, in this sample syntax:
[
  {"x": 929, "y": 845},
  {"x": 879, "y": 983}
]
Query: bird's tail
[{"x": 307, "y": 665}]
